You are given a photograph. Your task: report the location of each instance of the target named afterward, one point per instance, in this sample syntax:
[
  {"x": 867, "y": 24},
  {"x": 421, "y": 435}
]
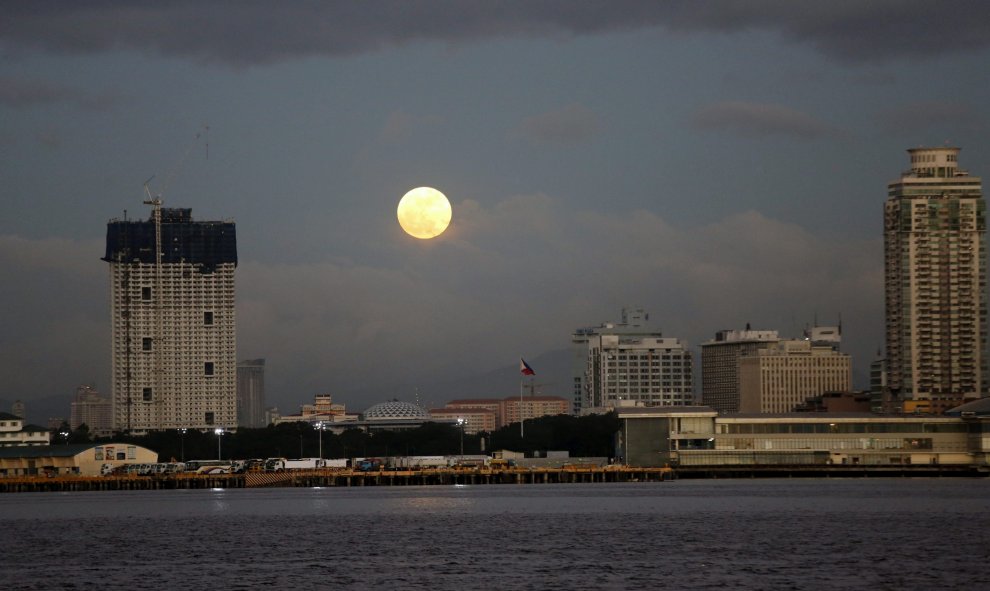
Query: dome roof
[{"x": 395, "y": 409}]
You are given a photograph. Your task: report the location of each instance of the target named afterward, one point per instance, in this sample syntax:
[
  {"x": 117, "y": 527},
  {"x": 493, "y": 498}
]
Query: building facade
[
  {"x": 786, "y": 374},
  {"x": 93, "y": 410},
  {"x": 935, "y": 283},
  {"x": 471, "y": 420},
  {"x": 14, "y": 433},
  {"x": 629, "y": 361},
  {"x": 173, "y": 328},
  {"x": 699, "y": 437},
  {"x": 720, "y": 365},
  {"x": 251, "y": 393}
]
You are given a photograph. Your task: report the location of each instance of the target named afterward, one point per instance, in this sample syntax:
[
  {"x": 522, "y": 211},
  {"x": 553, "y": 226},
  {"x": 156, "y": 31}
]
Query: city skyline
[{"x": 715, "y": 164}]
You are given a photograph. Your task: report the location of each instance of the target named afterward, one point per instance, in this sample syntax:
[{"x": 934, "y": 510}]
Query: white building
[
  {"x": 787, "y": 373},
  {"x": 13, "y": 432},
  {"x": 173, "y": 325},
  {"x": 629, "y": 363},
  {"x": 935, "y": 284}
]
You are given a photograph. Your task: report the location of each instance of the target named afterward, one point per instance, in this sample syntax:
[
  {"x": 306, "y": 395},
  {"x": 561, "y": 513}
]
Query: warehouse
[{"x": 83, "y": 459}]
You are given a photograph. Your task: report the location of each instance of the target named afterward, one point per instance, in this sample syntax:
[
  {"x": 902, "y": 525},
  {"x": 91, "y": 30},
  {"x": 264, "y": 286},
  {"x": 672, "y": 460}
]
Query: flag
[{"x": 525, "y": 369}]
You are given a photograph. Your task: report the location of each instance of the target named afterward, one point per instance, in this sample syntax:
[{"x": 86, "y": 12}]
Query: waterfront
[{"x": 708, "y": 534}]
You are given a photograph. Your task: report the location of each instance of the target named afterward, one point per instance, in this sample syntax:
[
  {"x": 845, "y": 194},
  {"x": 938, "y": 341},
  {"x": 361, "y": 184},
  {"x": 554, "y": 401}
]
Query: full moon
[{"x": 424, "y": 213}]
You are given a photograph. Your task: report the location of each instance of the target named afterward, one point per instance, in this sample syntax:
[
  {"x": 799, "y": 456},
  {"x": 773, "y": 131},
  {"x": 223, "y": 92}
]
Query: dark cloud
[
  {"x": 759, "y": 120},
  {"x": 254, "y": 31},
  {"x": 22, "y": 93},
  {"x": 570, "y": 124}
]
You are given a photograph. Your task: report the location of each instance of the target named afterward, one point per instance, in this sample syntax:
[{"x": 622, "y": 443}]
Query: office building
[
  {"x": 92, "y": 409},
  {"x": 629, "y": 363},
  {"x": 173, "y": 331},
  {"x": 935, "y": 284},
  {"x": 786, "y": 374},
  {"x": 720, "y": 365},
  {"x": 251, "y": 393}
]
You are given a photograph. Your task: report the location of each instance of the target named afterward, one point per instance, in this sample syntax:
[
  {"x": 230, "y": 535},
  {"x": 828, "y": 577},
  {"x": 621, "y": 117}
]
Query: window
[
  {"x": 146, "y": 344},
  {"x": 146, "y": 294},
  {"x": 209, "y": 418},
  {"x": 208, "y": 368},
  {"x": 207, "y": 318},
  {"x": 146, "y": 394}
]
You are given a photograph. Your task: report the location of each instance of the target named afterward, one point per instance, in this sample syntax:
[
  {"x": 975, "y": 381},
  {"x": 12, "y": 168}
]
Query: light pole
[
  {"x": 319, "y": 425},
  {"x": 460, "y": 423},
  {"x": 65, "y": 435},
  {"x": 182, "y": 445},
  {"x": 219, "y": 432}
]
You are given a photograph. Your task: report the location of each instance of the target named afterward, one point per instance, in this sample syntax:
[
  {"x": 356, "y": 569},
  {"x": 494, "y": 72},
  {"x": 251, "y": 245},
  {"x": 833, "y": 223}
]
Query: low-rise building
[
  {"x": 697, "y": 436},
  {"x": 13, "y": 432},
  {"x": 80, "y": 459}
]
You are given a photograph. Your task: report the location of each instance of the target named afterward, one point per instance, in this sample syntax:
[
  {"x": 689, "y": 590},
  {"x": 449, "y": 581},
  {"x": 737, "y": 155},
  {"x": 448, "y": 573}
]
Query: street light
[
  {"x": 319, "y": 425},
  {"x": 182, "y": 444},
  {"x": 65, "y": 434},
  {"x": 460, "y": 423},
  {"x": 219, "y": 432}
]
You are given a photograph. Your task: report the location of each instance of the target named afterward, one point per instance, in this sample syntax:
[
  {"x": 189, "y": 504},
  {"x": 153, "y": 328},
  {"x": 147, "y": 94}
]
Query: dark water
[{"x": 713, "y": 534}]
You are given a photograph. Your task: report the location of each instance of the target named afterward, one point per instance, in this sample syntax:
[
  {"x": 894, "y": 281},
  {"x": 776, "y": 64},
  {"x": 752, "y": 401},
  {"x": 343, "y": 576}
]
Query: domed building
[
  {"x": 396, "y": 409},
  {"x": 395, "y": 414}
]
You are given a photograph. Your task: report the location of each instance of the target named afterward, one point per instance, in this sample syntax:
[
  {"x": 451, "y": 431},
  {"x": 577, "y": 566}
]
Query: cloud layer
[{"x": 253, "y": 32}]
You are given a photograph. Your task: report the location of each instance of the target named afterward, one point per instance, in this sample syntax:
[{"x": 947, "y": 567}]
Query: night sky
[{"x": 717, "y": 163}]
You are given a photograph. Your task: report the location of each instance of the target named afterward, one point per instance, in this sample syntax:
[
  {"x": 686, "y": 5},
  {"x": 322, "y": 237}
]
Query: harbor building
[
  {"x": 629, "y": 361},
  {"x": 173, "y": 328},
  {"x": 720, "y": 365},
  {"x": 935, "y": 284},
  {"x": 699, "y": 436},
  {"x": 251, "y": 393},
  {"x": 786, "y": 374},
  {"x": 77, "y": 459},
  {"x": 92, "y": 409}
]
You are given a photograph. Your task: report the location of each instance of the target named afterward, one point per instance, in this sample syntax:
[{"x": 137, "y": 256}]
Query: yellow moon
[{"x": 424, "y": 213}]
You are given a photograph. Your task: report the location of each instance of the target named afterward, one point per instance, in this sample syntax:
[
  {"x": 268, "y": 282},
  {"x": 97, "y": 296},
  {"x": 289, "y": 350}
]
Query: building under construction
[{"x": 173, "y": 323}]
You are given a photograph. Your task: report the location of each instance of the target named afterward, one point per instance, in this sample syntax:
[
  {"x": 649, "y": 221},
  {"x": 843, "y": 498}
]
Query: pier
[{"x": 341, "y": 478}]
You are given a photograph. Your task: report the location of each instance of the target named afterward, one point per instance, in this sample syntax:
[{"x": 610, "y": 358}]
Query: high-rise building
[
  {"x": 628, "y": 363},
  {"x": 935, "y": 283},
  {"x": 251, "y": 393},
  {"x": 786, "y": 374},
  {"x": 720, "y": 365},
  {"x": 174, "y": 352},
  {"x": 93, "y": 410}
]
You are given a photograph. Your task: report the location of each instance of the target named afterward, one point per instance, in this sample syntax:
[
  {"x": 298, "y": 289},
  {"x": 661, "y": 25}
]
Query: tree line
[{"x": 587, "y": 436}]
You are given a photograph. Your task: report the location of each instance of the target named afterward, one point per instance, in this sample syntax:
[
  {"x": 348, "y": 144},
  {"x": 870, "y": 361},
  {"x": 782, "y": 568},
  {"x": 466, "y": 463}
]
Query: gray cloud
[
  {"x": 759, "y": 120},
  {"x": 253, "y": 32},
  {"x": 21, "y": 93},
  {"x": 932, "y": 116},
  {"x": 570, "y": 124}
]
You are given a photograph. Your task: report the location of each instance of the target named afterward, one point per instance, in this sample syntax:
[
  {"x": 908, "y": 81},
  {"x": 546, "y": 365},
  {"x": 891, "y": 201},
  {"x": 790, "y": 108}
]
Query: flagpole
[{"x": 521, "y": 436}]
